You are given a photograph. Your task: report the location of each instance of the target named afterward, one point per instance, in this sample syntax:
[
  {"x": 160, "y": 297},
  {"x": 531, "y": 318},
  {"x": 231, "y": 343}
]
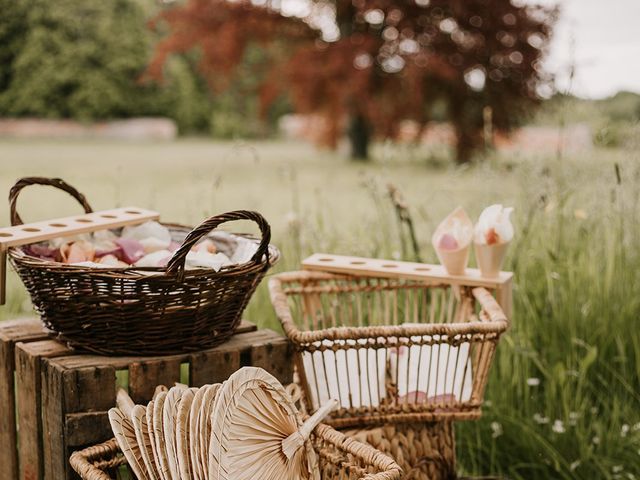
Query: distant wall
[
  {"x": 575, "y": 138},
  {"x": 129, "y": 129}
]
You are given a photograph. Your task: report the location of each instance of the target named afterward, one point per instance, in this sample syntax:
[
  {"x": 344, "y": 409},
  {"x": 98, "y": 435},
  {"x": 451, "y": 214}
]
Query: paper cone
[
  {"x": 490, "y": 258},
  {"x": 454, "y": 261}
]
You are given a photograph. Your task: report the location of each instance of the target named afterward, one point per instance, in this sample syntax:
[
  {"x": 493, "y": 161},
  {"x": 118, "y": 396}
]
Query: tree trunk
[{"x": 359, "y": 135}]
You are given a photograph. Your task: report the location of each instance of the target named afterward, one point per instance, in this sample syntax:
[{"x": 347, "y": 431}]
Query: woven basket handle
[
  {"x": 176, "y": 264},
  {"x": 53, "y": 182}
]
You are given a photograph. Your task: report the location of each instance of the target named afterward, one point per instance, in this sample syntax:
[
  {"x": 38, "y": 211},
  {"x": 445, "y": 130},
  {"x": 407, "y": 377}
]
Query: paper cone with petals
[
  {"x": 490, "y": 258},
  {"x": 452, "y": 240}
]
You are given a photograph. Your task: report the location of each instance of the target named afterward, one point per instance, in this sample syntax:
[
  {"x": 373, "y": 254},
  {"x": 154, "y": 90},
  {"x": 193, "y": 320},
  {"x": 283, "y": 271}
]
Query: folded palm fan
[
  {"x": 194, "y": 432},
  {"x": 151, "y": 447},
  {"x": 139, "y": 420},
  {"x": 158, "y": 436},
  {"x": 122, "y": 426},
  {"x": 169, "y": 416},
  {"x": 258, "y": 433},
  {"x": 182, "y": 433},
  {"x": 204, "y": 427}
]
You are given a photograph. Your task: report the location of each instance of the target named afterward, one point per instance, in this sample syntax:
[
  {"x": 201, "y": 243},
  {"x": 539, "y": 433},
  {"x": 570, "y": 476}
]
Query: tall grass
[{"x": 563, "y": 399}]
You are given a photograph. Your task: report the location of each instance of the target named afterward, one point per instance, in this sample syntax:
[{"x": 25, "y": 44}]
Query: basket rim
[
  {"x": 17, "y": 254},
  {"x": 81, "y": 460},
  {"x": 494, "y": 321}
]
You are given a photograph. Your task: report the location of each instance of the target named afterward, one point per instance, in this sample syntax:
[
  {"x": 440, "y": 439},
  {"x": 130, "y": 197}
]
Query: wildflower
[
  {"x": 555, "y": 275},
  {"x": 574, "y": 465},
  {"x": 624, "y": 430},
  {"x": 617, "y": 468},
  {"x": 540, "y": 419},
  {"x": 496, "y": 429},
  {"x": 636, "y": 427},
  {"x": 596, "y": 440},
  {"x": 580, "y": 214},
  {"x": 488, "y": 403},
  {"x": 533, "y": 381},
  {"x": 558, "y": 426},
  {"x": 573, "y": 418},
  {"x": 292, "y": 219}
]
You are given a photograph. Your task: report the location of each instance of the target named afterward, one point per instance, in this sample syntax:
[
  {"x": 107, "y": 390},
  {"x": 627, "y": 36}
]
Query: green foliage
[
  {"x": 80, "y": 60},
  {"x": 85, "y": 60}
]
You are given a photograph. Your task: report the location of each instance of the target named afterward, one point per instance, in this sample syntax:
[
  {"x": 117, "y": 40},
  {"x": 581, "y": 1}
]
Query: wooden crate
[{"x": 62, "y": 396}]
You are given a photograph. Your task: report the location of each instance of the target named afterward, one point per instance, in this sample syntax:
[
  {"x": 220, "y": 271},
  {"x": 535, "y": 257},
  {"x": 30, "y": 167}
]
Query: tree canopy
[{"x": 373, "y": 63}]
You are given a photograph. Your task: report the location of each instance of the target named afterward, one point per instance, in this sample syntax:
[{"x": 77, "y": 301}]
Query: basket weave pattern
[
  {"x": 424, "y": 451},
  {"x": 142, "y": 311},
  {"x": 340, "y": 458},
  {"x": 390, "y": 350}
]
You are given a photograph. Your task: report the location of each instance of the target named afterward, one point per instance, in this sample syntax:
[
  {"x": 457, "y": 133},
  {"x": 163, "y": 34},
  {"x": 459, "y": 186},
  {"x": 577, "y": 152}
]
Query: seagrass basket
[
  {"x": 340, "y": 458},
  {"x": 391, "y": 350},
  {"x": 143, "y": 311}
]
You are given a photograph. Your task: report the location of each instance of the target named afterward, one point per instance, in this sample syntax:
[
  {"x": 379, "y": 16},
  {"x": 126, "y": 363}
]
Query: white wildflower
[
  {"x": 624, "y": 430},
  {"x": 617, "y": 468},
  {"x": 533, "y": 381},
  {"x": 540, "y": 419},
  {"x": 636, "y": 427},
  {"x": 496, "y": 429},
  {"x": 596, "y": 440},
  {"x": 558, "y": 426},
  {"x": 573, "y": 418},
  {"x": 574, "y": 465},
  {"x": 488, "y": 403}
]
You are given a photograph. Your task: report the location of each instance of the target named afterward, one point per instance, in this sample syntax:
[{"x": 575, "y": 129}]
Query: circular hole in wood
[
  {"x": 358, "y": 262},
  {"x": 422, "y": 269},
  {"x": 106, "y": 215},
  {"x": 389, "y": 265},
  {"x": 31, "y": 229},
  {"x": 84, "y": 220},
  {"x": 326, "y": 259},
  {"x": 133, "y": 212},
  {"x": 6, "y": 234},
  {"x": 58, "y": 225}
]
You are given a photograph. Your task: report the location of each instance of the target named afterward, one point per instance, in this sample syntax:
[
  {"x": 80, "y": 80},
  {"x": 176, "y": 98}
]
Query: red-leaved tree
[{"x": 366, "y": 65}]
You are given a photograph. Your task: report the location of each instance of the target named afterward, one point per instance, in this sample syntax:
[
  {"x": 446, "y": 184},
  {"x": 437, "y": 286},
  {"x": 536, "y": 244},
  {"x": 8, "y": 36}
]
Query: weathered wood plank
[
  {"x": 241, "y": 340},
  {"x": 144, "y": 376},
  {"x": 28, "y": 361},
  {"x": 275, "y": 357},
  {"x": 54, "y": 451},
  {"x": 87, "y": 429},
  {"x": 11, "y": 332},
  {"x": 89, "y": 389},
  {"x": 213, "y": 366}
]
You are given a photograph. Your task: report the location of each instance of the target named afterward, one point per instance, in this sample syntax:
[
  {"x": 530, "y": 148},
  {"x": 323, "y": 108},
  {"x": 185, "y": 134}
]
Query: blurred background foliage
[{"x": 88, "y": 61}]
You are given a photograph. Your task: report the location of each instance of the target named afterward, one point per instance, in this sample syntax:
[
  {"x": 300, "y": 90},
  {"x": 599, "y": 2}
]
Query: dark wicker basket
[{"x": 142, "y": 311}]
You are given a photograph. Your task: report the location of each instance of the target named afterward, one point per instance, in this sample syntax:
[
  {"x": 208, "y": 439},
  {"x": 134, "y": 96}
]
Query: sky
[{"x": 602, "y": 39}]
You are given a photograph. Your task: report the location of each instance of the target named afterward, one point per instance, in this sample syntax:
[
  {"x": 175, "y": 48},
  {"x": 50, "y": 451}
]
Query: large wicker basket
[
  {"x": 143, "y": 311},
  {"x": 340, "y": 458},
  {"x": 391, "y": 350}
]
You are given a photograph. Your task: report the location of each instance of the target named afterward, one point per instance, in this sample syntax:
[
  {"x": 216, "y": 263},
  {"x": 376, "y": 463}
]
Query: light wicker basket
[
  {"x": 391, "y": 350},
  {"x": 340, "y": 458}
]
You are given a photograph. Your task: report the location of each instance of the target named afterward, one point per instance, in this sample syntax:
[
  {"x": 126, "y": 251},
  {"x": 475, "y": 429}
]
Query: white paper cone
[
  {"x": 490, "y": 258},
  {"x": 459, "y": 225},
  {"x": 454, "y": 261}
]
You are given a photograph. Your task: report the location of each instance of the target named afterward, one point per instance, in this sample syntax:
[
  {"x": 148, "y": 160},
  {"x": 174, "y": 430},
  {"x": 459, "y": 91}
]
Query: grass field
[{"x": 564, "y": 394}]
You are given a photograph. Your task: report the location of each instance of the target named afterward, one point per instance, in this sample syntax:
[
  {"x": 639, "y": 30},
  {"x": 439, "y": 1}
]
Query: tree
[
  {"x": 376, "y": 62},
  {"x": 84, "y": 60}
]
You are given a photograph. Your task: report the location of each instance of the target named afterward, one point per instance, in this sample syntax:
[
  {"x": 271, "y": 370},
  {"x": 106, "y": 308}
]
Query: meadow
[{"x": 564, "y": 395}]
